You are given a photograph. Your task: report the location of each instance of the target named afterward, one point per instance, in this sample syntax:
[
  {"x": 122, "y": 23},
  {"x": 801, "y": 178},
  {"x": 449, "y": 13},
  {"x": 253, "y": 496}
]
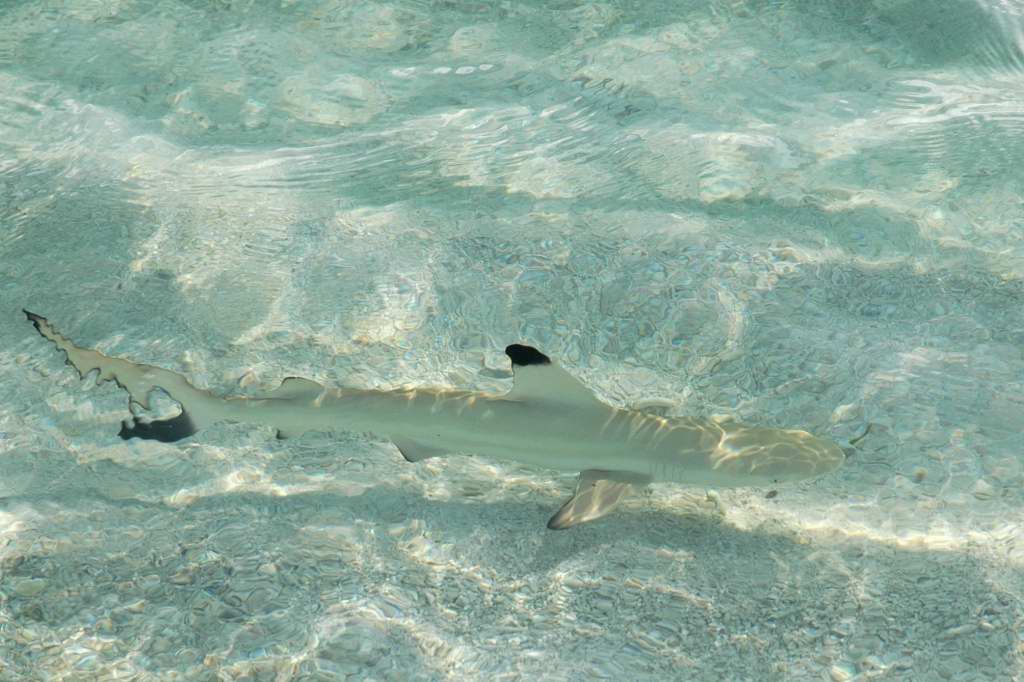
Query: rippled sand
[{"x": 799, "y": 214}]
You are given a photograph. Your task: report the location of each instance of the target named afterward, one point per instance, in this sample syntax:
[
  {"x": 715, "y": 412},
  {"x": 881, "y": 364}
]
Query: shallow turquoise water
[{"x": 799, "y": 214}]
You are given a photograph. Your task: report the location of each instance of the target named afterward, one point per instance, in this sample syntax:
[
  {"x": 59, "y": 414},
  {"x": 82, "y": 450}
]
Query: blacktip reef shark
[{"x": 549, "y": 419}]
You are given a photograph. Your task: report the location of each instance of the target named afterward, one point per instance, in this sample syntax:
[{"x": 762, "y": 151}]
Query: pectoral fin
[
  {"x": 597, "y": 493},
  {"x": 414, "y": 452}
]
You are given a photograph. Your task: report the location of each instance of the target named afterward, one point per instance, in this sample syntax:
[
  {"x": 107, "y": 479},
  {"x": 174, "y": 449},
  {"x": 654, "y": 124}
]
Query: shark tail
[{"x": 199, "y": 408}]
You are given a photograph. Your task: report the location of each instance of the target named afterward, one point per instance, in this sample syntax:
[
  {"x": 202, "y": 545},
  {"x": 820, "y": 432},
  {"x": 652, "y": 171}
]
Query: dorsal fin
[
  {"x": 536, "y": 378},
  {"x": 297, "y": 387}
]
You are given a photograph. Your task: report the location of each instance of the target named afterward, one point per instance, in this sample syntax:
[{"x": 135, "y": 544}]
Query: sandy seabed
[{"x": 795, "y": 215}]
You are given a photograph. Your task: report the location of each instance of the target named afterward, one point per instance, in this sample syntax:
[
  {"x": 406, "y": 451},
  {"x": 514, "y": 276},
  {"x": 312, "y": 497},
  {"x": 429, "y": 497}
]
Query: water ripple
[{"x": 794, "y": 213}]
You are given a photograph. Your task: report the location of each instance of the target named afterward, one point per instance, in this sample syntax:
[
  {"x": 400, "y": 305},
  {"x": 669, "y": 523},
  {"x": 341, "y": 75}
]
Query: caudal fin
[{"x": 198, "y": 407}]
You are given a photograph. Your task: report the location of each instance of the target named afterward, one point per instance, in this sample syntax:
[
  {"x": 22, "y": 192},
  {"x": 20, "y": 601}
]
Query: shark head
[{"x": 774, "y": 455}]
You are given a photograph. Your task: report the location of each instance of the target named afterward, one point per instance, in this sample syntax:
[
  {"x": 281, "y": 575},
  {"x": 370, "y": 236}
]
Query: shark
[{"x": 548, "y": 419}]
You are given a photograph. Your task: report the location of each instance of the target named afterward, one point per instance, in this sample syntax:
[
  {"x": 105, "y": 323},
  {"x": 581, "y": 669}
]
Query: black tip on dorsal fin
[{"x": 521, "y": 355}]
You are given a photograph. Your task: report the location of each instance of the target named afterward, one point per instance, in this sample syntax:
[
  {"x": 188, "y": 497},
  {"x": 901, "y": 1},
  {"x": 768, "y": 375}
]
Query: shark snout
[{"x": 777, "y": 455}]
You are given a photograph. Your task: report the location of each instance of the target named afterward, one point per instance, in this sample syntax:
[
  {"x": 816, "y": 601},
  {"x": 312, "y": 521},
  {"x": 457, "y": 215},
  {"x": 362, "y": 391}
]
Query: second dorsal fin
[
  {"x": 297, "y": 387},
  {"x": 536, "y": 378}
]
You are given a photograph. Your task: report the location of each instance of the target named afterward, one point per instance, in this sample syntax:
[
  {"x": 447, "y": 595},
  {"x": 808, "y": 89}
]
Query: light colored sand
[{"x": 801, "y": 219}]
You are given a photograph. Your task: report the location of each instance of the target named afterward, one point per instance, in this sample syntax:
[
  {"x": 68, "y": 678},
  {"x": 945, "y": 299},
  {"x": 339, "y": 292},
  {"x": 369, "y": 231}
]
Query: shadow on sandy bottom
[{"x": 384, "y": 582}]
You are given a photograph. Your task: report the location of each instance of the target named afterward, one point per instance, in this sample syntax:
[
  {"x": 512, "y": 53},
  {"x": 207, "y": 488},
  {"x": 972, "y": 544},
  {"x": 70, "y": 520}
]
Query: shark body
[{"x": 549, "y": 419}]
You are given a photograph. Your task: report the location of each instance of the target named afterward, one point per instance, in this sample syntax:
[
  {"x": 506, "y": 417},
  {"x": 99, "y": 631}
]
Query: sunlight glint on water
[{"x": 796, "y": 214}]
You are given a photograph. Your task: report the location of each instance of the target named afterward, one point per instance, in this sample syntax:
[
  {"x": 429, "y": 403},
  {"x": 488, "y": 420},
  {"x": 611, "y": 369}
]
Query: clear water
[{"x": 799, "y": 213}]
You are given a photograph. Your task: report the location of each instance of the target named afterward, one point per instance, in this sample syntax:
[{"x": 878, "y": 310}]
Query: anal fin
[
  {"x": 597, "y": 493},
  {"x": 415, "y": 452}
]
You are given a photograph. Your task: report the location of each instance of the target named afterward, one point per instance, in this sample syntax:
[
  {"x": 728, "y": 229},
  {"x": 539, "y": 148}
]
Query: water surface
[{"x": 800, "y": 214}]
